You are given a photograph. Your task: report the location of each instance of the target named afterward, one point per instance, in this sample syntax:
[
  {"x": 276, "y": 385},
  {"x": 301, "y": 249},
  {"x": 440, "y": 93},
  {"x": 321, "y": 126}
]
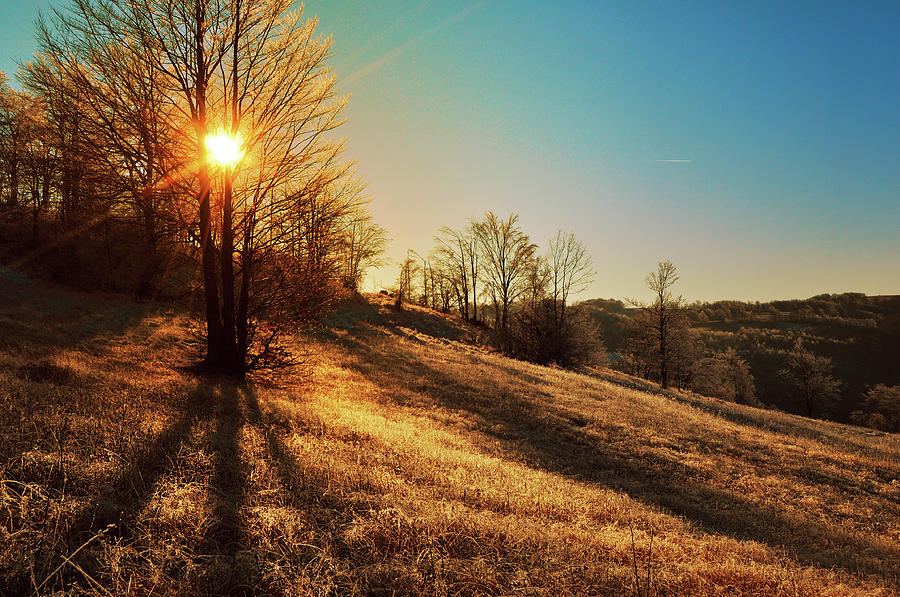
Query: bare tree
[
  {"x": 569, "y": 272},
  {"x": 457, "y": 251},
  {"x": 506, "y": 252},
  {"x": 246, "y": 70},
  {"x": 113, "y": 99},
  {"x": 662, "y": 318},
  {"x": 427, "y": 291},
  {"x": 406, "y": 280},
  {"x": 444, "y": 283},
  {"x": 17, "y": 115},
  {"x": 365, "y": 244}
]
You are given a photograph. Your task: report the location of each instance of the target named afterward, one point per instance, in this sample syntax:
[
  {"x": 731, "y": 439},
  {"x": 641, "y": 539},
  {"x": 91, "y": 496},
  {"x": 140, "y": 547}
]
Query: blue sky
[{"x": 755, "y": 144}]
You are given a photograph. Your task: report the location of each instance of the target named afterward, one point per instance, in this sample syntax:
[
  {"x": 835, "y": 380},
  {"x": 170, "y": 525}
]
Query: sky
[{"x": 756, "y": 145}]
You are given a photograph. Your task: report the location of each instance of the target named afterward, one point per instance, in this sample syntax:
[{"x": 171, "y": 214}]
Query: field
[{"x": 401, "y": 459}]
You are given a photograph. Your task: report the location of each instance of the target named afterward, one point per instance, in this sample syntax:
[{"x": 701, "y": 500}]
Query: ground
[{"x": 402, "y": 459}]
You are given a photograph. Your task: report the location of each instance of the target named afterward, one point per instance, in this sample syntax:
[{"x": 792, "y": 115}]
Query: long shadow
[
  {"x": 227, "y": 538},
  {"x": 227, "y": 546},
  {"x": 304, "y": 487},
  {"x": 546, "y": 437},
  {"x": 122, "y": 499},
  {"x": 307, "y": 488}
]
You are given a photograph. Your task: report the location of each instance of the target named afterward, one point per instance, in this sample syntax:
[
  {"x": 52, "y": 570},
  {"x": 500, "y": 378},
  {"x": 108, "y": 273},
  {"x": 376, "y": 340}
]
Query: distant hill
[
  {"x": 859, "y": 333},
  {"x": 404, "y": 459}
]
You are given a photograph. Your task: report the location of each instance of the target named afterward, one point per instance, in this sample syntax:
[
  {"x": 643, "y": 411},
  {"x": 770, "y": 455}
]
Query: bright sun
[{"x": 224, "y": 149}]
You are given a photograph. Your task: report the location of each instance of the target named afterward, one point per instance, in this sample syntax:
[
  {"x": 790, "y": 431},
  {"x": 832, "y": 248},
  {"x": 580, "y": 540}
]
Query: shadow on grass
[
  {"x": 42, "y": 316},
  {"x": 304, "y": 485},
  {"x": 115, "y": 510},
  {"x": 546, "y": 437},
  {"x": 231, "y": 571}
]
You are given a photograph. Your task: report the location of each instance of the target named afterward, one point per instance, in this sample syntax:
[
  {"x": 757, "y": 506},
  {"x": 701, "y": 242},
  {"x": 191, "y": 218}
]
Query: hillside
[
  {"x": 859, "y": 334},
  {"x": 403, "y": 460}
]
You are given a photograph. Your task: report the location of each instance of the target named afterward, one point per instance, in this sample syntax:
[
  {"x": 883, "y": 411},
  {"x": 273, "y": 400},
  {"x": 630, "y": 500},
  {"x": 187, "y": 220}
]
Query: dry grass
[{"x": 406, "y": 462}]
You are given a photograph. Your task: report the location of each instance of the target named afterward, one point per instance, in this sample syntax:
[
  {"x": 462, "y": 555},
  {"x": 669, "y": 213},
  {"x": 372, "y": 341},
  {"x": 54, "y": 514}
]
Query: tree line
[
  {"x": 108, "y": 175},
  {"x": 492, "y": 274}
]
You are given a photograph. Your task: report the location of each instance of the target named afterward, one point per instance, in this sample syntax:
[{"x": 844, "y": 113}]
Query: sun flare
[{"x": 224, "y": 149}]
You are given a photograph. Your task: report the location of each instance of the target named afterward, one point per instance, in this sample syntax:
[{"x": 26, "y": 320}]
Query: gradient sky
[{"x": 756, "y": 145}]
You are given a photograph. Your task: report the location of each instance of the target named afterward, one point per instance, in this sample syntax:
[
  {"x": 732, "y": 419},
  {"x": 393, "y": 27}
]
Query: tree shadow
[
  {"x": 549, "y": 438},
  {"x": 304, "y": 485},
  {"x": 231, "y": 571},
  {"x": 120, "y": 501}
]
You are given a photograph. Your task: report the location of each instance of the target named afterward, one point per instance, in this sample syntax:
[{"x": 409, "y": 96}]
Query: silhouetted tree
[
  {"x": 457, "y": 252},
  {"x": 365, "y": 245},
  {"x": 569, "y": 268},
  {"x": 545, "y": 327},
  {"x": 276, "y": 224},
  {"x": 406, "y": 280}
]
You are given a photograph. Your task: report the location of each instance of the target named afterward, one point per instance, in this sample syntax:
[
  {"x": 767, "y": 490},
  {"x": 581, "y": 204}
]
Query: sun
[{"x": 224, "y": 149}]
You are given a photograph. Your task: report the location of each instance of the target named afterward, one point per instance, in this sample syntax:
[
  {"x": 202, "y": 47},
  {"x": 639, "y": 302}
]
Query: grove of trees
[
  {"x": 154, "y": 135},
  {"x": 492, "y": 274}
]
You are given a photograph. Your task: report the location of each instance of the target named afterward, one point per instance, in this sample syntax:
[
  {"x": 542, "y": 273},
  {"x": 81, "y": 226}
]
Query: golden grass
[{"x": 404, "y": 461}]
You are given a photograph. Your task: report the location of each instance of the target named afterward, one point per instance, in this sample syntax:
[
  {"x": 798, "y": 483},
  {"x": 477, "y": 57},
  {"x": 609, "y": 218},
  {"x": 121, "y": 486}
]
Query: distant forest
[{"x": 858, "y": 335}]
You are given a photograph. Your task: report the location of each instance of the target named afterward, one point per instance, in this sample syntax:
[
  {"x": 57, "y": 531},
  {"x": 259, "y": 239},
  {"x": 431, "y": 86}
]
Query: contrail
[{"x": 417, "y": 40}]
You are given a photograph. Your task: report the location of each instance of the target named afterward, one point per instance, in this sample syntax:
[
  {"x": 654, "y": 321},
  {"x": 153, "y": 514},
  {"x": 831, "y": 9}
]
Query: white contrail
[{"x": 417, "y": 40}]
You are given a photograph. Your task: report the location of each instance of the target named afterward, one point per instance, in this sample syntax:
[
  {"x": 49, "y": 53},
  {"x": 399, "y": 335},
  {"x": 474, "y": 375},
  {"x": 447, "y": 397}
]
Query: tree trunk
[
  {"x": 234, "y": 362},
  {"x": 663, "y": 358},
  {"x": 214, "y": 333},
  {"x": 145, "y": 283}
]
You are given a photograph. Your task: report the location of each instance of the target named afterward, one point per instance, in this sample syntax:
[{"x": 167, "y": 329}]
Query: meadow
[{"x": 403, "y": 458}]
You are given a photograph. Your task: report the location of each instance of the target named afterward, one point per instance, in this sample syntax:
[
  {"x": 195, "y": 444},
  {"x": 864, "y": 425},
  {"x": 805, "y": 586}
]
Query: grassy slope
[{"x": 404, "y": 461}]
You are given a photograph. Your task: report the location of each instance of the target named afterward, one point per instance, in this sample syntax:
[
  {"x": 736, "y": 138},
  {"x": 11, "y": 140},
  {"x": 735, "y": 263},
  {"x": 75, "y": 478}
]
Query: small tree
[
  {"x": 570, "y": 272},
  {"x": 457, "y": 254},
  {"x": 406, "y": 280},
  {"x": 810, "y": 377},
  {"x": 547, "y": 329},
  {"x": 364, "y": 245}
]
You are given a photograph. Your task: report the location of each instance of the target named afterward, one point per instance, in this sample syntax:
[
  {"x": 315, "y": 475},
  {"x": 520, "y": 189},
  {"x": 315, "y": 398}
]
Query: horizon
[{"x": 756, "y": 147}]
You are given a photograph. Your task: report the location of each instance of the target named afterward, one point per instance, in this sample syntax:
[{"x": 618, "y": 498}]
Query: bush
[{"x": 727, "y": 376}]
